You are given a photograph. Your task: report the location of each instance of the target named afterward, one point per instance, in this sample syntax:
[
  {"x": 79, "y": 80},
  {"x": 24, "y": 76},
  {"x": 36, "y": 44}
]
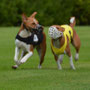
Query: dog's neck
[
  {"x": 24, "y": 33},
  {"x": 58, "y": 42}
]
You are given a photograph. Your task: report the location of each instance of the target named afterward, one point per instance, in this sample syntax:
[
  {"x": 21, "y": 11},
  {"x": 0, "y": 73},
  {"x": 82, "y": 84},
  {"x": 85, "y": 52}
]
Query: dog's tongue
[{"x": 35, "y": 39}]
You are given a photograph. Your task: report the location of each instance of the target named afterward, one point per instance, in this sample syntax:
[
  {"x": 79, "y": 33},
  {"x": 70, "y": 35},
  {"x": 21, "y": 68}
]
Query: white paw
[
  {"x": 59, "y": 68},
  {"x": 76, "y": 56},
  {"x": 59, "y": 65},
  {"x": 72, "y": 67},
  {"x": 39, "y": 66}
]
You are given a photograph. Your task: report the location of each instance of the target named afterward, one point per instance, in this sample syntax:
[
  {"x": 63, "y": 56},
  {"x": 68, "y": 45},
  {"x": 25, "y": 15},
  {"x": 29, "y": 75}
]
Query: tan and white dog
[
  {"x": 61, "y": 36},
  {"x": 30, "y": 36}
]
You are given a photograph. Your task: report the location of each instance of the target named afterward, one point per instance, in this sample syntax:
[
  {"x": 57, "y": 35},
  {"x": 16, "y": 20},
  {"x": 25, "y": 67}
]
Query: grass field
[{"x": 29, "y": 77}]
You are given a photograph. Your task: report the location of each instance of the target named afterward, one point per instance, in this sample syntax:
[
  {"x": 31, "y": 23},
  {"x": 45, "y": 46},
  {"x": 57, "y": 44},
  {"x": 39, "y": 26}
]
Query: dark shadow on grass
[
  {"x": 47, "y": 68},
  {"x": 78, "y": 69},
  {"x": 38, "y": 69}
]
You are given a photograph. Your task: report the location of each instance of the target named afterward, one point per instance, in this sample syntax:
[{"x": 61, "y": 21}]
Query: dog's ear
[
  {"x": 33, "y": 15},
  {"x": 24, "y": 18},
  {"x": 61, "y": 29}
]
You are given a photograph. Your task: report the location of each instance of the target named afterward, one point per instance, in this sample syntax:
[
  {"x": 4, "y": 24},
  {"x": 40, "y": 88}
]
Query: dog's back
[{"x": 68, "y": 31}]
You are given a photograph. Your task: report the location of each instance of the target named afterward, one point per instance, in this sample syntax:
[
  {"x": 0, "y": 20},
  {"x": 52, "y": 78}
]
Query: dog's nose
[{"x": 40, "y": 27}]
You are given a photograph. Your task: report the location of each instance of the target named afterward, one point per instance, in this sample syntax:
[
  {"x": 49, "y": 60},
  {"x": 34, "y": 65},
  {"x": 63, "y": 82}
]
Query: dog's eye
[
  {"x": 33, "y": 23},
  {"x": 57, "y": 28}
]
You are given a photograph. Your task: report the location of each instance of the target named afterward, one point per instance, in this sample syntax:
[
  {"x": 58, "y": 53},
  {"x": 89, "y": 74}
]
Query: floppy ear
[
  {"x": 33, "y": 15},
  {"x": 24, "y": 18}
]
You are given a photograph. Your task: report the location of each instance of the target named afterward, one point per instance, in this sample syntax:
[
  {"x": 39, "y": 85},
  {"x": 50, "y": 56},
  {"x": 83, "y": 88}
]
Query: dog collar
[
  {"x": 67, "y": 33},
  {"x": 34, "y": 39}
]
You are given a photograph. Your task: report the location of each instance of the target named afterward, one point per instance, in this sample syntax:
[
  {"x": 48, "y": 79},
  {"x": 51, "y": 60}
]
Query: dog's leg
[
  {"x": 71, "y": 62},
  {"x": 29, "y": 49},
  {"x": 22, "y": 54},
  {"x": 39, "y": 53},
  {"x": 76, "y": 56},
  {"x": 17, "y": 49},
  {"x": 58, "y": 62},
  {"x": 16, "y": 54},
  {"x": 57, "y": 59},
  {"x": 61, "y": 58},
  {"x": 24, "y": 59},
  {"x": 42, "y": 50},
  {"x": 68, "y": 52},
  {"x": 76, "y": 43}
]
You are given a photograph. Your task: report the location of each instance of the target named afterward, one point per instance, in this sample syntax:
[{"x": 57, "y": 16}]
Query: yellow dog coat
[{"x": 67, "y": 33}]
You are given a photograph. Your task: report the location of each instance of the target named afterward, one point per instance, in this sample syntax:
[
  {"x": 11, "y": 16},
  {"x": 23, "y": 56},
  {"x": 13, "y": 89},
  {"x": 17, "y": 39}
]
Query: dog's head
[
  {"x": 31, "y": 23},
  {"x": 55, "y": 31}
]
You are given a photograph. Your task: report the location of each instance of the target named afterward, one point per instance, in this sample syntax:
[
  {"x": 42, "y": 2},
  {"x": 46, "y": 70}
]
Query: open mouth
[{"x": 36, "y": 30}]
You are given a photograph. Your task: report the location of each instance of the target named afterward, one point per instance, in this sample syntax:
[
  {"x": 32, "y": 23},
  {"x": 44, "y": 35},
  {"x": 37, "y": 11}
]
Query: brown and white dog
[
  {"x": 61, "y": 36},
  {"x": 30, "y": 36}
]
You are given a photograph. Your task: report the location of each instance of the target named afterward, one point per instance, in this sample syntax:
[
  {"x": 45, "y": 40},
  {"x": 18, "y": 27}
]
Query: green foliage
[
  {"x": 82, "y": 12},
  {"x": 49, "y": 11}
]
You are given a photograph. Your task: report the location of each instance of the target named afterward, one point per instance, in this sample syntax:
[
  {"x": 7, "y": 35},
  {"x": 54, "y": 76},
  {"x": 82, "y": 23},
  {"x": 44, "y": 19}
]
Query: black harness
[{"x": 30, "y": 39}]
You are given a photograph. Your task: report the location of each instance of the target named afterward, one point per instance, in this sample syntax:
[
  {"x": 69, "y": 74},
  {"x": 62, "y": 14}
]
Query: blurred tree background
[{"x": 49, "y": 11}]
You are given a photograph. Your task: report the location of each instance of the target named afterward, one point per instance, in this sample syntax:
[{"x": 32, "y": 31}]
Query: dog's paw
[
  {"x": 72, "y": 67},
  {"x": 15, "y": 66},
  {"x": 39, "y": 66},
  {"x": 76, "y": 56},
  {"x": 59, "y": 68}
]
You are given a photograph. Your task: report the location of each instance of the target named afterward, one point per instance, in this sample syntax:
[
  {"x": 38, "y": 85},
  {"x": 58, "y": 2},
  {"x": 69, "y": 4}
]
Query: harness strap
[
  {"x": 67, "y": 33},
  {"x": 30, "y": 39},
  {"x": 59, "y": 50}
]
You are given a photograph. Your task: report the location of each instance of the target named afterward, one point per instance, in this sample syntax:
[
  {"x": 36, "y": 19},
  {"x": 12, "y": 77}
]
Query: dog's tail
[{"x": 72, "y": 22}]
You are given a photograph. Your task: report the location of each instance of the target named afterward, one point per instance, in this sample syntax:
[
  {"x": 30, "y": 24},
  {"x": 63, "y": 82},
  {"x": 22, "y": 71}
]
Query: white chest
[
  {"x": 56, "y": 43},
  {"x": 25, "y": 33},
  {"x": 26, "y": 47}
]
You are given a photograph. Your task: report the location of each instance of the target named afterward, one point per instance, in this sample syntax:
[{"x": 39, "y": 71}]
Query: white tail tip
[{"x": 72, "y": 19}]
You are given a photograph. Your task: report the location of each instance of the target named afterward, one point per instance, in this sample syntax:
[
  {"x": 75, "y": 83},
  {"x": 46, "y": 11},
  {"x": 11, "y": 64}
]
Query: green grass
[{"x": 28, "y": 77}]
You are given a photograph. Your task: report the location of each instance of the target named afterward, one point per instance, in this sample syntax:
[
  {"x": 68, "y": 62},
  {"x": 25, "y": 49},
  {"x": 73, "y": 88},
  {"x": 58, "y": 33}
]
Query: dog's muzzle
[
  {"x": 54, "y": 33},
  {"x": 38, "y": 29},
  {"x": 39, "y": 26}
]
